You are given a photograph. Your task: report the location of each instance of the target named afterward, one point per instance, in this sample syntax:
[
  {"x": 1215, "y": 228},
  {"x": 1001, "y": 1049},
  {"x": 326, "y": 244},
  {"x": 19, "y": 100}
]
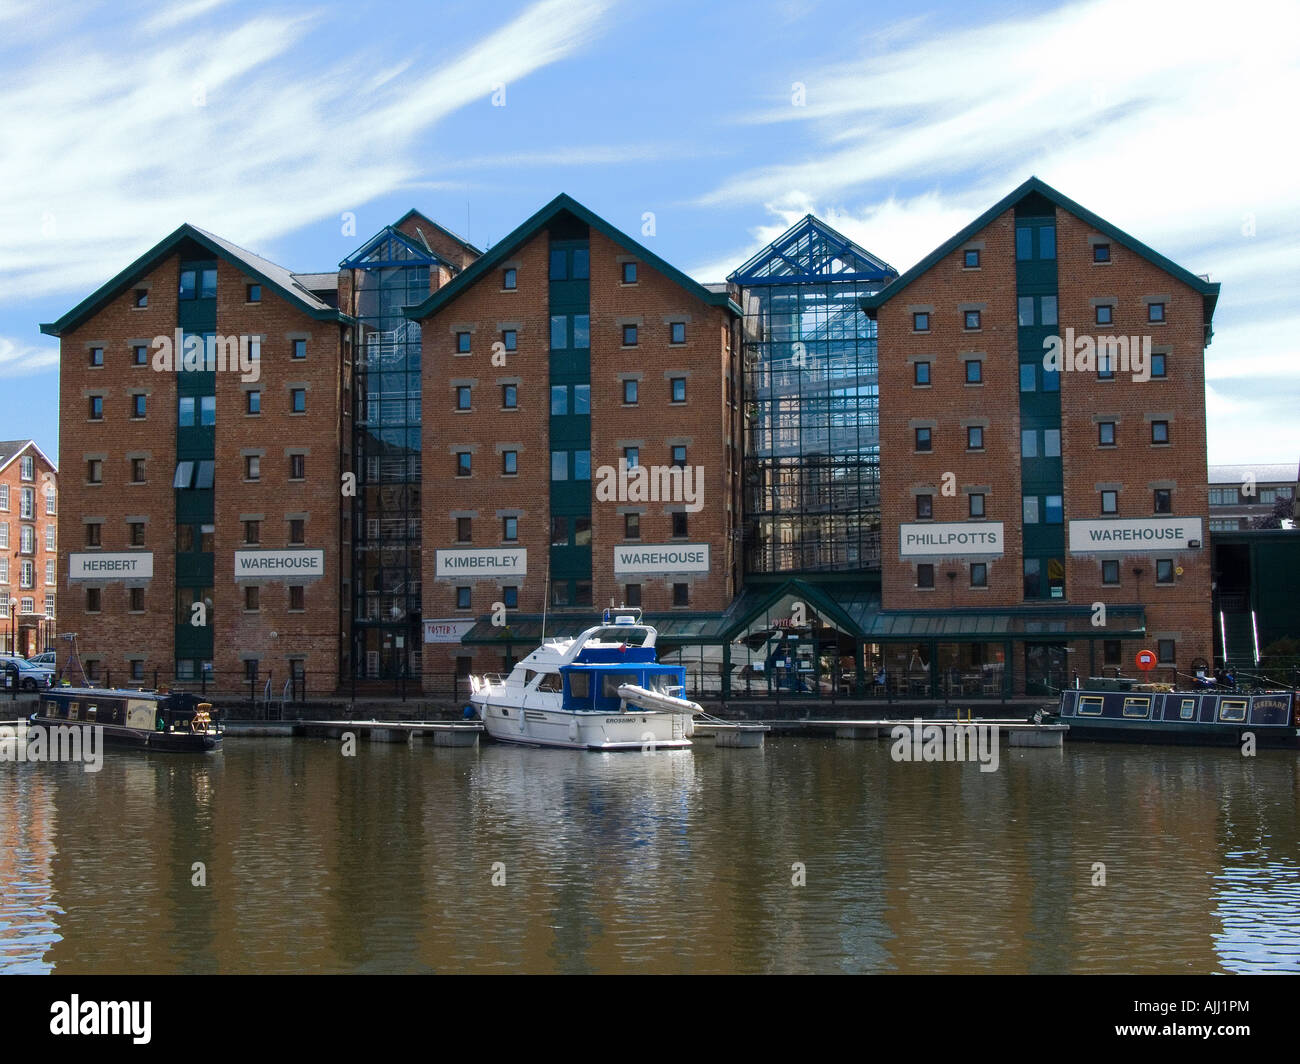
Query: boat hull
[
  {"x": 585, "y": 730},
  {"x": 1186, "y": 718},
  {"x": 120, "y": 736}
]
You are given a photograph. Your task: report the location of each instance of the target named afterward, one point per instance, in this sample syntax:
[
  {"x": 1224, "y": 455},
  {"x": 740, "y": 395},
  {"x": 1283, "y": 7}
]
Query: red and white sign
[{"x": 1146, "y": 660}]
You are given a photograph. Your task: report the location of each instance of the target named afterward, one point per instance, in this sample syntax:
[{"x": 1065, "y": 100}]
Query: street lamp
[{"x": 13, "y": 626}]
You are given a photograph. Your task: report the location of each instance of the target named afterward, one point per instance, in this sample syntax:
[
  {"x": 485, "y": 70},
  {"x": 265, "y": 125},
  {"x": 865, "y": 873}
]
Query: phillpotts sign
[
  {"x": 110, "y": 566},
  {"x": 458, "y": 564},
  {"x": 669, "y": 558},
  {"x": 289, "y": 565},
  {"x": 956, "y": 540},
  {"x": 1137, "y": 534}
]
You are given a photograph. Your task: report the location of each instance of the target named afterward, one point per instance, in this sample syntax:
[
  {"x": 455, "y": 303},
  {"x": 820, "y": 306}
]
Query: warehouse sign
[
  {"x": 665, "y": 558},
  {"x": 446, "y": 631},
  {"x": 959, "y": 539},
  {"x": 1136, "y": 534},
  {"x": 458, "y": 564},
  {"x": 129, "y": 566},
  {"x": 289, "y": 565}
]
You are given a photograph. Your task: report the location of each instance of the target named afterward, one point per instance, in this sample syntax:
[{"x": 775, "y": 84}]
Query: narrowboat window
[
  {"x": 580, "y": 684},
  {"x": 1232, "y": 710},
  {"x": 74, "y": 711},
  {"x": 92, "y": 712},
  {"x": 1188, "y": 709},
  {"x": 1090, "y": 705},
  {"x": 610, "y": 682},
  {"x": 1137, "y": 707},
  {"x": 550, "y": 682}
]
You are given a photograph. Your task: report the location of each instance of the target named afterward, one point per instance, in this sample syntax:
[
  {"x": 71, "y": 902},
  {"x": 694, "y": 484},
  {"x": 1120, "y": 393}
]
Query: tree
[{"x": 1282, "y": 509}]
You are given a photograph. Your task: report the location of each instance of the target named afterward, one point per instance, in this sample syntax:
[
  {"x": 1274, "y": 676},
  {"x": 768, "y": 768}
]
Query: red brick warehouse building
[
  {"x": 1041, "y": 518},
  {"x": 29, "y": 499}
]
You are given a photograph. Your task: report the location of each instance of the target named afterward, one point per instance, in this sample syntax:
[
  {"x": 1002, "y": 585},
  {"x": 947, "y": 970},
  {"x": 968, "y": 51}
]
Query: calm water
[{"x": 675, "y": 861}]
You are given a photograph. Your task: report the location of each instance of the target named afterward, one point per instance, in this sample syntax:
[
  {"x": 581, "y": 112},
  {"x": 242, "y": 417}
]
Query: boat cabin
[{"x": 137, "y": 710}]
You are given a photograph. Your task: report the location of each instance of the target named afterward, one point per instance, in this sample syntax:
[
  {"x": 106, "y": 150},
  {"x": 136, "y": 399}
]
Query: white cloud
[
  {"x": 233, "y": 131},
  {"x": 171, "y": 17},
  {"x": 17, "y": 359}
]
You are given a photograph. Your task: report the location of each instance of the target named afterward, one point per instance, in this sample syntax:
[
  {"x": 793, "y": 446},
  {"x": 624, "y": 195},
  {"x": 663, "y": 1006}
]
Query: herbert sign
[
  {"x": 129, "y": 566},
  {"x": 458, "y": 564},
  {"x": 666, "y": 558},
  {"x": 1136, "y": 534},
  {"x": 290, "y": 565},
  {"x": 963, "y": 539}
]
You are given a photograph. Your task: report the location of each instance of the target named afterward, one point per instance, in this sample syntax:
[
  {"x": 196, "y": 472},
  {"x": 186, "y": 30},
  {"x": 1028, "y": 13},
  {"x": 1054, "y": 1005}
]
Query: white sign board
[
  {"x": 97, "y": 566},
  {"x": 959, "y": 539},
  {"x": 1134, "y": 534},
  {"x": 446, "y": 631},
  {"x": 288, "y": 565},
  {"x": 487, "y": 562},
  {"x": 661, "y": 558}
]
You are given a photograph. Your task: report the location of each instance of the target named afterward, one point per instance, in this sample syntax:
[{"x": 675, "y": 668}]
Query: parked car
[
  {"x": 30, "y": 677},
  {"x": 45, "y": 660}
]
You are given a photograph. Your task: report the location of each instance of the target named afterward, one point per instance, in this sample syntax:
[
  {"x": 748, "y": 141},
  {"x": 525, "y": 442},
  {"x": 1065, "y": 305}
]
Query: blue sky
[{"x": 265, "y": 122}]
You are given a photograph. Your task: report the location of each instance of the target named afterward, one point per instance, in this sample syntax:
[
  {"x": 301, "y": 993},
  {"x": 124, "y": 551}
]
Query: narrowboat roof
[{"x": 108, "y": 692}]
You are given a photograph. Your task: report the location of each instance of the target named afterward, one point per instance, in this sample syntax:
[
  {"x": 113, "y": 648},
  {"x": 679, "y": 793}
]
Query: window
[
  {"x": 187, "y": 286},
  {"x": 253, "y": 402},
  {"x": 559, "y": 465},
  {"x": 1024, "y": 242},
  {"x": 1110, "y": 502},
  {"x": 1106, "y": 433},
  {"x": 1232, "y": 710},
  {"x": 582, "y": 398},
  {"x": 462, "y": 598},
  {"x": 632, "y": 595},
  {"x": 679, "y": 457},
  {"x": 297, "y": 531},
  {"x": 974, "y": 371},
  {"x": 252, "y": 531},
  {"x": 1105, "y": 314},
  {"x": 559, "y": 531},
  {"x": 677, "y": 332},
  {"x": 462, "y": 343},
  {"x": 681, "y": 594},
  {"x": 581, "y": 465},
  {"x": 96, "y": 356},
  {"x": 971, "y": 258},
  {"x": 1053, "y": 511},
  {"x": 27, "y": 504},
  {"x": 921, "y": 373},
  {"x": 27, "y": 539},
  {"x": 559, "y": 332},
  {"x": 1160, "y": 432},
  {"x": 974, "y": 438},
  {"x": 253, "y": 293},
  {"x": 1047, "y": 310},
  {"x": 1033, "y": 572},
  {"x": 510, "y": 463},
  {"x": 631, "y": 526},
  {"x": 632, "y": 456},
  {"x": 464, "y": 530},
  {"x": 203, "y": 474},
  {"x": 509, "y": 397},
  {"x": 581, "y": 330},
  {"x": 95, "y": 471},
  {"x": 92, "y": 600},
  {"x": 510, "y": 279},
  {"x": 925, "y": 575},
  {"x": 581, "y": 264},
  {"x": 250, "y": 669},
  {"x": 1155, "y": 312},
  {"x": 184, "y": 477},
  {"x": 559, "y": 399},
  {"x": 1157, "y": 365},
  {"x": 1164, "y": 501},
  {"x": 464, "y": 463},
  {"x": 208, "y": 284},
  {"x": 510, "y": 597},
  {"x": 920, "y": 321},
  {"x": 27, "y": 467},
  {"x": 252, "y": 467},
  {"x": 629, "y": 273},
  {"x": 1164, "y": 571},
  {"x": 1028, "y": 443},
  {"x": 924, "y": 507},
  {"x": 93, "y": 535},
  {"x": 50, "y": 577},
  {"x": 1028, "y": 377},
  {"x": 976, "y": 504},
  {"x": 135, "y": 533},
  {"x": 679, "y": 525},
  {"x": 297, "y": 467},
  {"x": 509, "y": 529},
  {"x": 1101, "y": 253},
  {"x": 297, "y": 597},
  {"x": 1051, "y": 443},
  {"x": 677, "y": 389},
  {"x": 1105, "y": 365},
  {"x": 96, "y": 408},
  {"x": 1029, "y": 509},
  {"x": 136, "y": 599},
  {"x": 4, "y": 570},
  {"x": 49, "y": 537},
  {"x": 49, "y": 501},
  {"x": 298, "y": 400},
  {"x": 630, "y": 392},
  {"x": 629, "y": 336},
  {"x": 464, "y": 397},
  {"x": 4, "y": 497},
  {"x": 923, "y": 440},
  {"x": 140, "y": 297},
  {"x": 979, "y": 574},
  {"x": 252, "y": 598},
  {"x": 972, "y": 319},
  {"x": 1165, "y": 651},
  {"x": 1047, "y": 242},
  {"x": 510, "y": 338},
  {"x": 300, "y": 349}
]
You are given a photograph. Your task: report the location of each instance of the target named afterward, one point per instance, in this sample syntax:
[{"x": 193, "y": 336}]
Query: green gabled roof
[
  {"x": 441, "y": 228},
  {"x": 1209, "y": 289},
  {"x": 510, "y": 243},
  {"x": 260, "y": 269}
]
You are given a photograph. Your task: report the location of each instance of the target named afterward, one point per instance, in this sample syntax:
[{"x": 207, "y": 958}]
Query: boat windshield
[{"x": 633, "y": 637}]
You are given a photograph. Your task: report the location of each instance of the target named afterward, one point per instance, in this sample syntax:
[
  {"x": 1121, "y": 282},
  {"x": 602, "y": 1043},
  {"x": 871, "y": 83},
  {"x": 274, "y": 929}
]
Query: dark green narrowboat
[{"x": 150, "y": 720}]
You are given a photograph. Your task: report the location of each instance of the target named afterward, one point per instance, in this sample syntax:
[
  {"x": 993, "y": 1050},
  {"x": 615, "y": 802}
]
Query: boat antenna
[{"x": 546, "y": 596}]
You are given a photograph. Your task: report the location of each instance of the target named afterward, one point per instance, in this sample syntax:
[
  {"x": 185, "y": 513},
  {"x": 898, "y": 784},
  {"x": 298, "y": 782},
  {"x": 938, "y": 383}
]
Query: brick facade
[{"x": 29, "y": 500}]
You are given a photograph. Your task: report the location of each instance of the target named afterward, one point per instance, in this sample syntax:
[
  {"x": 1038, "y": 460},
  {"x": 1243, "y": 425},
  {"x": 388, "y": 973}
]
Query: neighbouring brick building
[
  {"x": 29, "y": 500},
  {"x": 1022, "y": 496}
]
